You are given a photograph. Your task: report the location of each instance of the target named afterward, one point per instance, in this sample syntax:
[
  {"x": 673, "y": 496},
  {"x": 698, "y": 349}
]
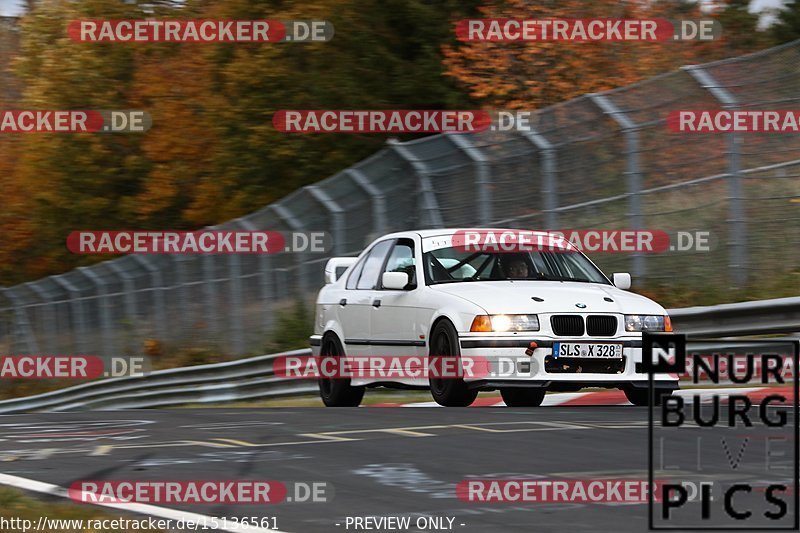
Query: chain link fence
[{"x": 599, "y": 161}]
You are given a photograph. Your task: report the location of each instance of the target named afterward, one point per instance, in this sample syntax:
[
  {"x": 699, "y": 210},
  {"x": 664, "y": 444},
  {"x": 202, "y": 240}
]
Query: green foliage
[
  {"x": 787, "y": 26},
  {"x": 293, "y": 329}
]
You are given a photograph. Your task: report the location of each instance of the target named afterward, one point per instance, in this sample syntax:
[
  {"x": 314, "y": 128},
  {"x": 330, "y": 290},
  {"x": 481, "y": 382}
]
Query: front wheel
[
  {"x": 523, "y": 397},
  {"x": 641, "y": 396},
  {"x": 450, "y": 391},
  {"x": 337, "y": 392}
]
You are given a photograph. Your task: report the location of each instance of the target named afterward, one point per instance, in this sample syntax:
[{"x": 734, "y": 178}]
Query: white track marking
[{"x": 139, "y": 508}]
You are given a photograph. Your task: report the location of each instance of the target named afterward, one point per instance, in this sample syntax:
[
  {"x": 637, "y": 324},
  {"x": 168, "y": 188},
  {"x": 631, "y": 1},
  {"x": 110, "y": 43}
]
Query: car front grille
[
  {"x": 567, "y": 325},
  {"x": 601, "y": 325}
]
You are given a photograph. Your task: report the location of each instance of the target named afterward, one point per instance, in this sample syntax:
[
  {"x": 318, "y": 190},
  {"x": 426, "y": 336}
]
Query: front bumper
[{"x": 510, "y": 366}]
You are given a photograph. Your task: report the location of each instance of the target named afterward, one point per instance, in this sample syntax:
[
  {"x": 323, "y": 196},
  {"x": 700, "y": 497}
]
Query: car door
[
  {"x": 355, "y": 307},
  {"x": 394, "y": 317}
]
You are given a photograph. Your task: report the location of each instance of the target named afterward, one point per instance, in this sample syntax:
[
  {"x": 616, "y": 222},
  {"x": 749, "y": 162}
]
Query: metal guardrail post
[
  {"x": 76, "y": 307},
  {"x": 737, "y": 236},
  {"x": 548, "y": 169},
  {"x": 429, "y": 206},
  {"x": 337, "y": 216},
  {"x": 158, "y": 294},
  {"x": 483, "y": 174},
  {"x": 379, "y": 224},
  {"x": 102, "y": 307},
  {"x": 633, "y": 176}
]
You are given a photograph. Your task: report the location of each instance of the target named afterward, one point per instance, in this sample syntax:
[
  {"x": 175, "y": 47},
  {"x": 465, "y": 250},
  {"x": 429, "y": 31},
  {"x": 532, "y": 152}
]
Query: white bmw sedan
[{"x": 542, "y": 319}]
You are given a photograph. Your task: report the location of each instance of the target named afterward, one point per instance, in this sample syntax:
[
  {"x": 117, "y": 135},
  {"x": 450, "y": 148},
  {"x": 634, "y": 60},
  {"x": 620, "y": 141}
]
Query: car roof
[{"x": 425, "y": 233}]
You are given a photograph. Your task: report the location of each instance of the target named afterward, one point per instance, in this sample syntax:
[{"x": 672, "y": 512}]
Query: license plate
[{"x": 594, "y": 351}]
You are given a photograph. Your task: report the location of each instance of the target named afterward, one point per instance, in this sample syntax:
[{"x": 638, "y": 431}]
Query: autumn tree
[{"x": 535, "y": 74}]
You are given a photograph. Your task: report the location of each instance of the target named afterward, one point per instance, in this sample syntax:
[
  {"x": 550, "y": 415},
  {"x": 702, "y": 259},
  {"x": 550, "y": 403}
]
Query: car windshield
[{"x": 453, "y": 265}]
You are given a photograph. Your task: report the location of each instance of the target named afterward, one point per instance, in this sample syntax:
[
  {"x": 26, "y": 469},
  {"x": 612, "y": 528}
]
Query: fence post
[
  {"x": 76, "y": 308},
  {"x": 379, "y": 224},
  {"x": 49, "y": 315},
  {"x": 548, "y": 168},
  {"x": 483, "y": 175},
  {"x": 337, "y": 215},
  {"x": 285, "y": 214},
  {"x": 129, "y": 296},
  {"x": 737, "y": 234},
  {"x": 633, "y": 175},
  {"x": 185, "y": 318},
  {"x": 236, "y": 315},
  {"x": 22, "y": 327},
  {"x": 158, "y": 294},
  {"x": 264, "y": 281},
  {"x": 210, "y": 292},
  {"x": 428, "y": 206},
  {"x": 102, "y": 307}
]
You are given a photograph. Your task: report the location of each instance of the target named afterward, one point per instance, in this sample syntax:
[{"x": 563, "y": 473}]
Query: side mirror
[
  {"x": 622, "y": 280},
  {"x": 396, "y": 281}
]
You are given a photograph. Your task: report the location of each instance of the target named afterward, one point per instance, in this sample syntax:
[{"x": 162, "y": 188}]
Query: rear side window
[{"x": 365, "y": 275}]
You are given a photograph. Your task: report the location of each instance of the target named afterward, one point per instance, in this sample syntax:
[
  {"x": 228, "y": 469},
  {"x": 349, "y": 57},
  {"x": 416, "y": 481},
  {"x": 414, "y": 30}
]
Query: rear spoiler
[{"x": 334, "y": 264}]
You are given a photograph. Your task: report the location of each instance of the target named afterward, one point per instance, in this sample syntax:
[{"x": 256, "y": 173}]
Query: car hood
[{"x": 516, "y": 297}]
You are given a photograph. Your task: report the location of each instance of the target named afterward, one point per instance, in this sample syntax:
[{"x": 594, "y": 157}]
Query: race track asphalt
[{"x": 398, "y": 462}]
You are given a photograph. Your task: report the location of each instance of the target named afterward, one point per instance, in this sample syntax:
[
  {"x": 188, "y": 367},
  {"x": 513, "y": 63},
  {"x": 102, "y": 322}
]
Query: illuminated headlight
[
  {"x": 501, "y": 323},
  {"x": 647, "y": 323}
]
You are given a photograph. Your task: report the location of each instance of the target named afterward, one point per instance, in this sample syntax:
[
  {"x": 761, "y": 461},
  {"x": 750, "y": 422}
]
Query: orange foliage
[{"x": 535, "y": 74}]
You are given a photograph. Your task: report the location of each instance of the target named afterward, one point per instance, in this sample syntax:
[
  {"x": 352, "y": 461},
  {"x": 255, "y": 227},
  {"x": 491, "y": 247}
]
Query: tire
[
  {"x": 337, "y": 392},
  {"x": 450, "y": 392},
  {"x": 641, "y": 396},
  {"x": 523, "y": 397}
]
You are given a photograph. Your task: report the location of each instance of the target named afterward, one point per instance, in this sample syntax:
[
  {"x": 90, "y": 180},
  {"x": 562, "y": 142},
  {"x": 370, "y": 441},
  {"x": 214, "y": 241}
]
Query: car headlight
[
  {"x": 501, "y": 323},
  {"x": 647, "y": 323}
]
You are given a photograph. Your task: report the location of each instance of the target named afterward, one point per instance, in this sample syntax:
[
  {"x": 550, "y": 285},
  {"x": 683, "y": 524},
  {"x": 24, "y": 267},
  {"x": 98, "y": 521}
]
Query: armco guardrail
[
  {"x": 253, "y": 378},
  {"x": 762, "y": 317},
  {"x": 235, "y": 380}
]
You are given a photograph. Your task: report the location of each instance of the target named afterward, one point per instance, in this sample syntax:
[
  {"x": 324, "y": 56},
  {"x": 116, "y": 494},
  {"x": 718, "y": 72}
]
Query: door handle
[
  {"x": 376, "y": 303},
  {"x": 343, "y": 302}
]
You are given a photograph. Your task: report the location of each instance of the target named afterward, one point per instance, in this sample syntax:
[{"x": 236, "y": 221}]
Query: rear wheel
[
  {"x": 337, "y": 392},
  {"x": 641, "y": 396},
  {"x": 450, "y": 391},
  {"x": 523, "y": 397}
]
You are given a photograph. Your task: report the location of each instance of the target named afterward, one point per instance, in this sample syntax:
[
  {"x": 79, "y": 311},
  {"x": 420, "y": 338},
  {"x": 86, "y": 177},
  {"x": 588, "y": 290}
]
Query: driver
[{"x": 516, "y": 268}]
